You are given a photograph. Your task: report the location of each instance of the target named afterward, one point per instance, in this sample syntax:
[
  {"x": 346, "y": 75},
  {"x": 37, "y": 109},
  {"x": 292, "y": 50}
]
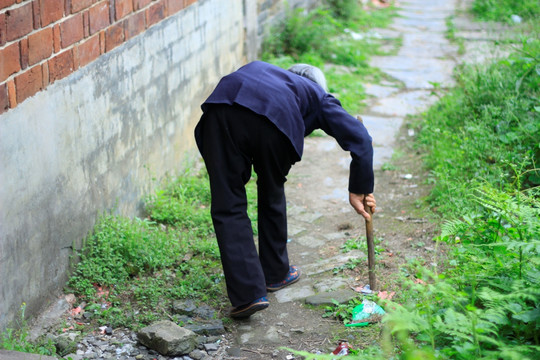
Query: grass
[
  {"x": 502, "y": 10},
  {"x": 16, "y": 338},
  {"x": 496, "y": 136}
]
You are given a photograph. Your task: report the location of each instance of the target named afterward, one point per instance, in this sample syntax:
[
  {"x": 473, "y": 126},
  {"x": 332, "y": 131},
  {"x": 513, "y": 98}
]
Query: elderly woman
[{"x": 258, "y": 116}]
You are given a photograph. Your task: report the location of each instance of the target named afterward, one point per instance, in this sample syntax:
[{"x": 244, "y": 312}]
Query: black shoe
[{"x": 246, "y": 311}]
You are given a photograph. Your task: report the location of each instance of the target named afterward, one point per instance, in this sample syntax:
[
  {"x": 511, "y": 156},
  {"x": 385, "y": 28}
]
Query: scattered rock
[
  {"x": 211, "y": 347},
  {"x": 213, "y": 328},
  {"x": 168, "y": 339},
  {"x": 204, "y": 312},
  {"x": 64, "y": 345},
  {"x": 341, "y": 296},
  {"x": 184, "y": 307},
  {"x": 234, "y": 352},
  {"x": 197, "y": 354}
]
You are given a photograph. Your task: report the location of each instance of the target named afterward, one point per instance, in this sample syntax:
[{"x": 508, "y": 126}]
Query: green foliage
[
  {"x": 120, "y": 249},
  {"x": 132, "y": 269},
  {"x": 483, "y": 127},
  {"x": 316, "y": 36},
  {"x": 342, "y": 312},
  {"x": 16, "y": 339},
  {"x": 502, "y": 10},
  {"x": 343, "y": 10},
  {"x": 183, "y": 202},
  {"x": 301, "y": 32},
  {"x": 454, "y": 321}
]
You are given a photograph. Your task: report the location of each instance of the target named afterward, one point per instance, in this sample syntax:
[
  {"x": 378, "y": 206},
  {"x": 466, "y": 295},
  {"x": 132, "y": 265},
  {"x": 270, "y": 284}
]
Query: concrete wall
[{"x": 96, "y": 140}]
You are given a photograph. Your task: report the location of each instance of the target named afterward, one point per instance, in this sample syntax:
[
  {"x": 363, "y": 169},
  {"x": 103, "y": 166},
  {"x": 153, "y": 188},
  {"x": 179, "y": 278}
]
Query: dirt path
[{"x": 320, "y": 218}]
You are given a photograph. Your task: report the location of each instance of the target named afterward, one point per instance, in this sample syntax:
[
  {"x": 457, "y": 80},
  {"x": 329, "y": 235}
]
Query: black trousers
[{"x": 234, "y": 140}]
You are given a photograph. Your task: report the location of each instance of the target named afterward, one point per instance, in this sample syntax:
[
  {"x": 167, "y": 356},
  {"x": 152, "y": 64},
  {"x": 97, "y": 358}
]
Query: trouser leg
[
  {"x": 234, "y": 138},
  {"x": 229, "y": 170},
  {"x": 272, "y": 163}
]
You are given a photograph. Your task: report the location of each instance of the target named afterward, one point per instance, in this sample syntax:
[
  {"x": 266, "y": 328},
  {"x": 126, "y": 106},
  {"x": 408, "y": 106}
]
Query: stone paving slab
[
  {"x": 417, "y": 73},
  {"x": 402, "y": 104}
]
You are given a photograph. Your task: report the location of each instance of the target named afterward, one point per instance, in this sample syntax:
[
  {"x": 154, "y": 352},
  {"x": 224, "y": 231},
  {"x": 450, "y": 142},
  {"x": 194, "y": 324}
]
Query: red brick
[
  {"x": 102, "y": 42},
  {"x": 36, "y": 11},
  {"x": 174, "y": 6},
  {"x": 139, "y": 4},
  {"x": 135, "y": 24},
  {"x": 6, "y": 3},
  {"x": 88, "y": 51},
  {"x": 99, "y": 17},
  {"x": 75, "y": 51},
  {"x": 51, "y": 11},
  {"x": 155, "y": 13},
  {"x": 189, "y": 2},
  {"x": 4, "y": 98},
  {"x": 71, "y": 30},
  {"x": 61, "y": 66},
  {"x": 67, "y": 7},
  {"x": 9, "y": 61},
  {"x": 45, "y": 70},
  {"x": 19, "y": 22},
  {"x": 3, "y": 29},
  {"x": 24, "y": 52},
  {"x": 86, "y": 24},
  {"x": 28, "y": 83},
  {"x": 56, "y": 38},
  {"x": 78, "y": 5},
  {"x": 40, "y": 45},
  {"x": 12, "y": 94},
  {"x": 123, "y": 8},
  {"x": 114, "y": 36}
]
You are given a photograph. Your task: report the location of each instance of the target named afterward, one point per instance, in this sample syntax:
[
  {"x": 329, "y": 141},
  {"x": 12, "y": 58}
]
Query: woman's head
[{"x": 311, "y": 72}]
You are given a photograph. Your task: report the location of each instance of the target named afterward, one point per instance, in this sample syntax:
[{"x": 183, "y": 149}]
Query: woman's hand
[{"x": 359, "y": 200}]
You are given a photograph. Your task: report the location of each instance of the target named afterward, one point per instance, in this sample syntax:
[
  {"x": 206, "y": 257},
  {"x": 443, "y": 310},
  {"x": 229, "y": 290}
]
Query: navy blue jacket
[{"x": 297, "y": 106}]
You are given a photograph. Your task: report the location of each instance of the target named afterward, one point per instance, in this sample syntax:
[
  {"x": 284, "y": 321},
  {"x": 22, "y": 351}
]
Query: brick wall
[{"x": 42, "y": 41}]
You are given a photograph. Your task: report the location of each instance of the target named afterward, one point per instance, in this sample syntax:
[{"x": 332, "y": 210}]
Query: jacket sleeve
[{"x": 352, "y": 136}]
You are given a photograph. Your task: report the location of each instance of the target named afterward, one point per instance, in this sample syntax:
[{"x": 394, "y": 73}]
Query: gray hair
[{"x": 311, "y": 72}]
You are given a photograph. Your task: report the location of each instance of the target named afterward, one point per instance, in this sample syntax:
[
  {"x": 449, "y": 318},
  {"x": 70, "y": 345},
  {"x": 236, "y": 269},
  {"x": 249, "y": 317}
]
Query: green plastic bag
[{"x": 368, "y": 311}]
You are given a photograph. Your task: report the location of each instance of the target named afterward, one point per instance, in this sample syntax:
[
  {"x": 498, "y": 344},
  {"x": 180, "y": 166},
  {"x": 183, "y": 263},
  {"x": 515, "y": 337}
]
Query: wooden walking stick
[
  {"x": 370, "y": 243},
  {"x": 370, "y": 248}
]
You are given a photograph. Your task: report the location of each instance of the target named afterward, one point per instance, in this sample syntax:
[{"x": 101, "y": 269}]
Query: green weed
[
  {"x": 489, "y": 122},
  {"x": 131, "y": 270},
  {"x": 498, "y": 10},
  {"x": 16, "y": 338},
  {"x": 183, "y": 202},
  {"x": 451, "y": 35}
]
